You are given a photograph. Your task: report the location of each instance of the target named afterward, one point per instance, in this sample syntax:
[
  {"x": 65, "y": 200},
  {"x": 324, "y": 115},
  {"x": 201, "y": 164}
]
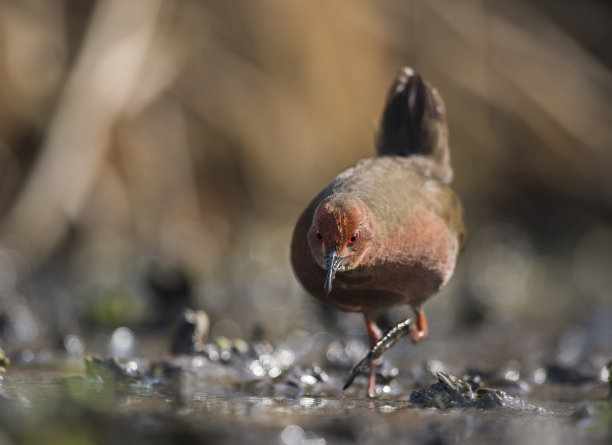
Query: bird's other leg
[
  {"x": 418, "y": 330},
  {"x": 374, "y": 335}
]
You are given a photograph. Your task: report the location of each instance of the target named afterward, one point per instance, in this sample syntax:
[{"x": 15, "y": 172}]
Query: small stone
[{"x": 192, "y": 331}]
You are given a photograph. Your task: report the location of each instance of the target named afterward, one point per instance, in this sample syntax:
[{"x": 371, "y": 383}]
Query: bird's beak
[{"x": 332, "y": 263}]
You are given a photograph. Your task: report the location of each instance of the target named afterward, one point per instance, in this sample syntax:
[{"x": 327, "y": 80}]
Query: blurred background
[{"x": 155, "y": 154}]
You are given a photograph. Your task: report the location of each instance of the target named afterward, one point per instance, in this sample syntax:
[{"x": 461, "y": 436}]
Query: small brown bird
[{"x": 387, "y": 231}]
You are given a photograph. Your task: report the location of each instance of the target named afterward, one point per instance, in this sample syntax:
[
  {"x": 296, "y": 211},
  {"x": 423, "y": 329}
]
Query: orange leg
[
  {"x": 374, "y": 335},
  {"x": 418, "y": 330}
]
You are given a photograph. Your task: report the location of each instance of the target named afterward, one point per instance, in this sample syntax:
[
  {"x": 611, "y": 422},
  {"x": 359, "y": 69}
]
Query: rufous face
[{"x": 341, "y": 224}]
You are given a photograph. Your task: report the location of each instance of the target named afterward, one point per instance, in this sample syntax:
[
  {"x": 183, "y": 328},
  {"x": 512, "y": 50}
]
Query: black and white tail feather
[{"x": 413, "y": 123}]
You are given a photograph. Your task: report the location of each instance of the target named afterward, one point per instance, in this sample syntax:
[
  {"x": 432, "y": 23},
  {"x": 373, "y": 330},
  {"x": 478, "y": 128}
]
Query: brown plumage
[{"x": 387, "y": 231}]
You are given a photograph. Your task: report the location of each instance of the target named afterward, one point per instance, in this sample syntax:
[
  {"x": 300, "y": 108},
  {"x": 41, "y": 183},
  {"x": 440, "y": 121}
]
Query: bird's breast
[
  {"x": 406, "y": 264},
  {"x": 423, "y": 241}
]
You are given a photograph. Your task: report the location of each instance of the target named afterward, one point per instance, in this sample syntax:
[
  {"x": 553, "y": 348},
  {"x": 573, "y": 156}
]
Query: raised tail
[{"x": 413, "y": 123}]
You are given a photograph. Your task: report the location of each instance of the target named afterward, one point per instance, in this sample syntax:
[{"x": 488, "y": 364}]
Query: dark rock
[
  {"x": 192, "y": 330},
  {"x": 562, "y": 374},
  {"x": 452, "y": 392}
]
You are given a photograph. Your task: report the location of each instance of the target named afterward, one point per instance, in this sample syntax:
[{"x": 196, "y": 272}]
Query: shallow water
[{"x": 193, "y": 398}]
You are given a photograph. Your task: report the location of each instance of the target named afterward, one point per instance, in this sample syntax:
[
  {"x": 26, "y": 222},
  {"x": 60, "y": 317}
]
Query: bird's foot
[
  {"x": 400, "y": 330},
  {"x": 418, "y": 330},
  {"x": 416, "y": 335}
]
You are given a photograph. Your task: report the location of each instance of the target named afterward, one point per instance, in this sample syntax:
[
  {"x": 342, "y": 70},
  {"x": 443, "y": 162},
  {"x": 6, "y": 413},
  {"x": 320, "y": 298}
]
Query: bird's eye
[
  {"x": 319, "y": 236},
  {"x": 354, "y": 238}
]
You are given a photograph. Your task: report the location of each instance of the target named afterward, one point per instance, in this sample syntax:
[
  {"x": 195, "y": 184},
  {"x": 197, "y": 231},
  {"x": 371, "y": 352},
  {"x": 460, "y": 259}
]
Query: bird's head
[{"x": 340, "y": 235}]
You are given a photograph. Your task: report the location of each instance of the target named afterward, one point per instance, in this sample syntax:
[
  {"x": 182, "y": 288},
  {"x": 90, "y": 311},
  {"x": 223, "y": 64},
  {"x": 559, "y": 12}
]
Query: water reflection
[{"x": 121, "y": 343}]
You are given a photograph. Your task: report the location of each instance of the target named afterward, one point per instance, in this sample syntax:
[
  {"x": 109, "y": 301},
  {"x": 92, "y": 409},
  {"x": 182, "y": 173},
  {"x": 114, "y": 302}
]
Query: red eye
[
  {"x": 319, "y": 236},
  {"x": 354, "y": 238}
]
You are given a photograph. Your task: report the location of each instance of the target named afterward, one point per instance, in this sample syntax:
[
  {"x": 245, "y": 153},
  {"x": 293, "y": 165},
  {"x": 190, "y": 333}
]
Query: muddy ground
[{"x": 495, "y": 384}]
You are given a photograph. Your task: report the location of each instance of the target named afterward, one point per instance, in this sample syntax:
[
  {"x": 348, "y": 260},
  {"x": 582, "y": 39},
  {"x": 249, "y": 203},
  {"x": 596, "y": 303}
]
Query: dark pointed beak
[{"x": 332, "y": 263}]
